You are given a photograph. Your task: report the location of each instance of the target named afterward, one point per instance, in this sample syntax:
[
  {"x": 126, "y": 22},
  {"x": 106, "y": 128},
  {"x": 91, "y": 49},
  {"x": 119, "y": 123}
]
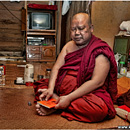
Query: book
[{"x": 48, "y": 104}]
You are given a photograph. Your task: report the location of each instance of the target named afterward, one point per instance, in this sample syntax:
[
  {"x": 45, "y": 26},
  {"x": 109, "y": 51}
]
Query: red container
[{"x": 29, "y": 83}]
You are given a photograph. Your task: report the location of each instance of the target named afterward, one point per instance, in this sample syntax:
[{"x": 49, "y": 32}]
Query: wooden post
[
  {"x": 23, "y": 19},
  {"x": 59, "y": 18}
]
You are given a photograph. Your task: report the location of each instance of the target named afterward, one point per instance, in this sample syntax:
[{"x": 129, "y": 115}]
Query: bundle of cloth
[
  {"x": 125, "y": 26},
  {"x": 123, "y": 102}
]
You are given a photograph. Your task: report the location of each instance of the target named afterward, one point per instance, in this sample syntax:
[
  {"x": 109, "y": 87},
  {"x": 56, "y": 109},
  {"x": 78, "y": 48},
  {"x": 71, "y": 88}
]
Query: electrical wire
[
  {"x": 12, "y": 13},
  {"x": 88, "y": 7}
]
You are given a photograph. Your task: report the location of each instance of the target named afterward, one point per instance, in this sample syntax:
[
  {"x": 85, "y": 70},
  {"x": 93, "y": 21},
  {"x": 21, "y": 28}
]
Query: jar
[
  {"x": 123, "y": 70},
  {"x": 29, "y": 73},
  {"x": 47, "y": 73}
]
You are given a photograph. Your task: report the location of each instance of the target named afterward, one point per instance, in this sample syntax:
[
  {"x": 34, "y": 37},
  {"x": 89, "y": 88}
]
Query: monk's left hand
[{"x": 63, "y": 102}]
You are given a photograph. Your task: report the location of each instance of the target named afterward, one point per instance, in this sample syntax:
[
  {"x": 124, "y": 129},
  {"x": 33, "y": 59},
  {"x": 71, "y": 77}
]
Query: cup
[
  {"x": 29, "y": 83},
  {"x": 19, "y": 80}
]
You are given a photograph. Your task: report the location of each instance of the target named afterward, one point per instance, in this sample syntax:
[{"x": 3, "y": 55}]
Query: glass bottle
[
  {"x": 2, "y": 74},
  {"x": 47, "y": 73}
]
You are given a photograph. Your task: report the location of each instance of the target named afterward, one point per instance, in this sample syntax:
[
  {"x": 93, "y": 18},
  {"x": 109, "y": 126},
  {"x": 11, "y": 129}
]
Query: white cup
[{"x": 19, "y": 80}]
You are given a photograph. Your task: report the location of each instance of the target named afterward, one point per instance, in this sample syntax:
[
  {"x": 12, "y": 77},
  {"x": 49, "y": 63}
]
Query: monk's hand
[
  {"x": 63, "y": 102},
  {"x": 45, "y": 94}
]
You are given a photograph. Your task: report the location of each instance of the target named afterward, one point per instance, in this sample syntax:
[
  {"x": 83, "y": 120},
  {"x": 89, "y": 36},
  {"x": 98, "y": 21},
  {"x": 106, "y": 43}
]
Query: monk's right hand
[{"x": 45, "y": 94}]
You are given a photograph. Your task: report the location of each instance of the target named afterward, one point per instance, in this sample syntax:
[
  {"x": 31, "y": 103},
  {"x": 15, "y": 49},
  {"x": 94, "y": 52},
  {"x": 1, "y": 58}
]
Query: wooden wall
[
  {"x": 11, "y": 37},
  {"x": 107, "y": 17}
]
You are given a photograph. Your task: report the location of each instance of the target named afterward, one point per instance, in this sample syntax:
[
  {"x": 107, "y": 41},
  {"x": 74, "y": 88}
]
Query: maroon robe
[{"x": 80, "y": 65}]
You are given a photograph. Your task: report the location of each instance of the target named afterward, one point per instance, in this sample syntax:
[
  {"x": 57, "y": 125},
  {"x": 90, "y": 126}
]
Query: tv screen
[{"x": 41, "y": 20}]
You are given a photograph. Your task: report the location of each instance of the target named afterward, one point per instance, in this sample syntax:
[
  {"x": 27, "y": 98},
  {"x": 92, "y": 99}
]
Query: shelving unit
[{"x": 46, "y": 51}]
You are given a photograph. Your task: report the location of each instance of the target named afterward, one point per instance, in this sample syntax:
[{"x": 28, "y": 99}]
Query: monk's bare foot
[{"x": 42, "y": 111}]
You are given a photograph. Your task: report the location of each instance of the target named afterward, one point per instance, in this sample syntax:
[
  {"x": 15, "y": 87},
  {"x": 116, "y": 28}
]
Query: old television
[{"x": 39, "y": 20}]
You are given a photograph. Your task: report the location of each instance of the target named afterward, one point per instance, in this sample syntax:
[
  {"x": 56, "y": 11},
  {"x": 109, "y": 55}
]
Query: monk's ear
[{"x": 91, "y": 28}]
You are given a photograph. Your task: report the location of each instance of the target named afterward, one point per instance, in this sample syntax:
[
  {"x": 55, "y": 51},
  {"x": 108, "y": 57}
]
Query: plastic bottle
[{"x": 123, "y": 70}]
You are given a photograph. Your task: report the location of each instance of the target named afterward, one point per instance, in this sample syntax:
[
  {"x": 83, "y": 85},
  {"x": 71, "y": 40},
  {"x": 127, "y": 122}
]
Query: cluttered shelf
[
  {"x": 41, "y": 32},
  {"x": 14, "y": 70}
]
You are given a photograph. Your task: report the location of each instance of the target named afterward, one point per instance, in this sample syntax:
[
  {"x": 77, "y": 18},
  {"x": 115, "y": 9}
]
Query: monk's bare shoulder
[
  {"x": 71, "y": 47},
  {"x": 61, "y": 57}
]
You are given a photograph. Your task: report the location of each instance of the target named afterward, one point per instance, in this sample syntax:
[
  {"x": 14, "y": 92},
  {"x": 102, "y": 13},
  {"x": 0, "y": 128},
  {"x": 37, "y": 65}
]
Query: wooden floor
[{"x": 16, "y": 69}]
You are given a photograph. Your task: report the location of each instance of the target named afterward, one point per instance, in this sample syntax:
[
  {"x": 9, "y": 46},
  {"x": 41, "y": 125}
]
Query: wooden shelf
[
  {"x": 41, "y": 30},
  {"x": 42, "y": 53},
  {"x": 41, "y": 33}
]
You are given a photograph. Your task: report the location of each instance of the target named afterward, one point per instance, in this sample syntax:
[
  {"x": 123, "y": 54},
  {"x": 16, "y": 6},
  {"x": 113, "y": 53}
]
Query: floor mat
[{"x": 17, "y": 111}]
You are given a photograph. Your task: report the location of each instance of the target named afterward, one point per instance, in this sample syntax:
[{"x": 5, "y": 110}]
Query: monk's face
[{"x": 81, "y": 30}]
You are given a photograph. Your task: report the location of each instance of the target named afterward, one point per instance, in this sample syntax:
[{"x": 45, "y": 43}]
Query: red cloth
[
  {"x": 43, "y": 83},
  {"x": 83, "y": 62},
  {"x": 39, "y": 6},
  {"x": 88, "y": 108},
  {"x": 124, "y": 107},
  {"x": 87, "y": 57}
]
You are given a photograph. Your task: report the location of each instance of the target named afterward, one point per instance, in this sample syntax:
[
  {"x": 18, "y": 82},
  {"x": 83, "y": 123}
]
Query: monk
[{"x": 84, "y": 78}]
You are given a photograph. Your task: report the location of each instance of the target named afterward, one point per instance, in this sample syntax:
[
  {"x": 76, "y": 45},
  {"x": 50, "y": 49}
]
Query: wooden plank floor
[{"x": 15, "y": 69}]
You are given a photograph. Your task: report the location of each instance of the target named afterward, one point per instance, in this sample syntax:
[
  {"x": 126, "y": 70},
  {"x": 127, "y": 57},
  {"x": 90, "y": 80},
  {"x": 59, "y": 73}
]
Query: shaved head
[
  {"x": 81, "y": 29},
  {"x": 82, "y": 16}
]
